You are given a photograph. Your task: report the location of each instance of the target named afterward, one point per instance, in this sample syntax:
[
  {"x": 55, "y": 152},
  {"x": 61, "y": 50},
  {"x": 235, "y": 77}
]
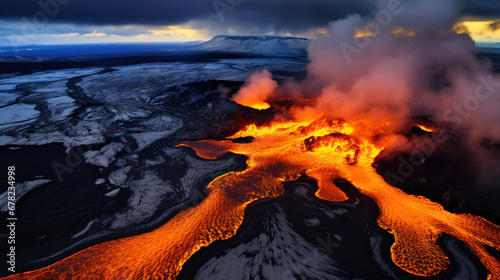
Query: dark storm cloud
[
  {"x": 117, "y": 12},
  {"x": 486, "y": 9},
  {"x": 256, "y": 15},
  {"x": 291, "y": 15},
  {"x": 287, "y": 15},
  {"x": 250, "y": 16}
]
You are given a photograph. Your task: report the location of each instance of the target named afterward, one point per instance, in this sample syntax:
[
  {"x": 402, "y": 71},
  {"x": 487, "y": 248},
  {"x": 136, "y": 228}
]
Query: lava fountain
[{"x": 323, "y": 149}]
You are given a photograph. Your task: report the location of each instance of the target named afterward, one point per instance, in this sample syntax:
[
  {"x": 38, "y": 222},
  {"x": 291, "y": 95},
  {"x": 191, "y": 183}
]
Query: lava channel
[{"x": 323, "y": 149}]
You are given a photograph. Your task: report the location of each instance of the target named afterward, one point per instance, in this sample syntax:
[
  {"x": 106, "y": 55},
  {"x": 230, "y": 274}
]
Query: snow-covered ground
[
  {"x": 21, "y": 189},
  {"x": 17, "y": 114},
  {"x": 128, "y": 120},
  {"x": 277, "y": 253},
  {"x": 44, "y": 101},
  {"x": 272, "y": 46}
]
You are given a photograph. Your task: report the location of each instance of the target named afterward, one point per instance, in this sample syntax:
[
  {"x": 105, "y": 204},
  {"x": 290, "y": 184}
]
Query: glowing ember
[
  {"x": 324, "y": 149},
  {"x": 260, "y": 106},
  {"x": 424, "y": 128}
]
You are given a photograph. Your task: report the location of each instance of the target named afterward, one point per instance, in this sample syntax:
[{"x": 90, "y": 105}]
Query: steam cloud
[
  {"x": 257, "y": 89},
  {"x": 411, "y": 63},
  {"x": 405, "y": 60}
]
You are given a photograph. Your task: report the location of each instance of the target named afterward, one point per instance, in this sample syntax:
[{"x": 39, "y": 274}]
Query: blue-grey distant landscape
[{"x": 235, "y": 139}]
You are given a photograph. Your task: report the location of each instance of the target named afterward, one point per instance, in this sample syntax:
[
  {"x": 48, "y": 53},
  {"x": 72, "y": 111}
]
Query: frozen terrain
[
  {"x": 98, "y": 145},
  {"x": 257, "y": 45}
]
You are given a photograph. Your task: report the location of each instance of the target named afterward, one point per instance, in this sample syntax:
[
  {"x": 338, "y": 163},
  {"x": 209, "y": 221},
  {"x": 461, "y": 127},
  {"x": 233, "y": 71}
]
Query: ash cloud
[
  {"x": 402, "y": 61},
  {"x": 257, "y": 89},
  {"x": 415, "y": 65},
  {"x": 409, "y": 60}
]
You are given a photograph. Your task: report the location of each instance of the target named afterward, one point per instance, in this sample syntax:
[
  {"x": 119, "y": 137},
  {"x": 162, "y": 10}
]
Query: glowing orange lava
[
  {"x": 324, "y": 149},
  {"x": 260, "y": 106},
  {"x": 424, "y": 128}
]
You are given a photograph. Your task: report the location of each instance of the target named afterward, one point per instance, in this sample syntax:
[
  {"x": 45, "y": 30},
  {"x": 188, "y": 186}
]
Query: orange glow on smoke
[
  {"x": 397, "y": 31},
  {"x": 324, "y": 149},
  {"x": 363, "y": 32},
  {"x": 258, "y": 88},
  {"x": 402, "y": 32}
]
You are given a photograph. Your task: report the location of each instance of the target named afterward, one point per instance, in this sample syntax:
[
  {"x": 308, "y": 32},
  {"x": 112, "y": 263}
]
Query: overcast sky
[{"x": 75, "y": 21}]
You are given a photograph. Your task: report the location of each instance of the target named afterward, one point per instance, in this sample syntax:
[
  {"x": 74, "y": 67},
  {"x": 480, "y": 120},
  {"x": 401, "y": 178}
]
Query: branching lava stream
[{"x": 324, "y": 149}]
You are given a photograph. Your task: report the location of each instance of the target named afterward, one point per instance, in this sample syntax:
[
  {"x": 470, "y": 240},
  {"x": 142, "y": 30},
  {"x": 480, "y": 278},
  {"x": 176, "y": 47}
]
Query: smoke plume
[
  {"x": 257, "y": 89},
  {"x": 407, "y": 59}
]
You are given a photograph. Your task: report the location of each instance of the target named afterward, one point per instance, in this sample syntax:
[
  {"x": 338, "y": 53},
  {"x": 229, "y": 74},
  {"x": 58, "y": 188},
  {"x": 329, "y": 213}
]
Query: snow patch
[
  {"x": 113, "y": 193},
  {"x": 86, "y": 229},
  {"x": 277, "y": 253},
  {"x": 156, "y": 161},
  {"x": 261, "y": 45},
  {"x": 21, "y": 189},
  {"x": 118, "y": 177},
  {"x": 100, "y": 181},
  {"x": 17, "y": 114},
  {"x": 105, "y": 156},
  {"x": 61, "y": 107},
  {"x": 6, "y": 98}
]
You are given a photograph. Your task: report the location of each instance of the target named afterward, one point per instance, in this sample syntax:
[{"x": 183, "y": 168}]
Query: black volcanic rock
[{"x": 447, "y": 176}]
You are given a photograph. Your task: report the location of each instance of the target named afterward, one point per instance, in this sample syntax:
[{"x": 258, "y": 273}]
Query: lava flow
[{"x": 324, "y": 149}]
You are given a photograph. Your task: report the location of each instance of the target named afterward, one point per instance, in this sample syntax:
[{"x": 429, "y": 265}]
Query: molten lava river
[{"x": 323, "y": 149}]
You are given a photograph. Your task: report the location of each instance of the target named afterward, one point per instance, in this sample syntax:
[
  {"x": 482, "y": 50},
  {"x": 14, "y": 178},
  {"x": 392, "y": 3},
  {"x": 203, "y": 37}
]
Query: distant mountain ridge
[{"x": 258, "y": 45}]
